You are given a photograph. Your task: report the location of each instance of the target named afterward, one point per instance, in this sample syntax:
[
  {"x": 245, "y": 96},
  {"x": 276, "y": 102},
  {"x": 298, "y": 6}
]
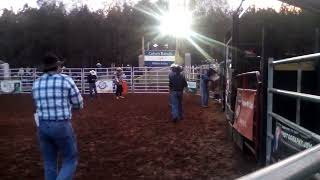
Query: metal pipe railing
[
  {"x": 269, "y": 137},
  {"x": 249, "y": 73},
  {"x": 297, "y": 59},
  {"x": 300, "y": 166},
  {"x": 157, "y": 77},
  {"x": 303, "y": 96},
  {"x": 297, "y": 95}
]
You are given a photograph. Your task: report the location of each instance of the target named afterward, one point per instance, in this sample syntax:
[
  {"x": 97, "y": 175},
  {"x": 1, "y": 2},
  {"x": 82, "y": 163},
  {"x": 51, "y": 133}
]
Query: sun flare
[{"x": 176, "y": 23}]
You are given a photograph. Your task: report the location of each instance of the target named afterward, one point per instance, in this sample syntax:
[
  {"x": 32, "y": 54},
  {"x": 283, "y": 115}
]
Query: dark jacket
[
  {"x": 92, "y": 78},
  {"x": 177, "y": 82}
]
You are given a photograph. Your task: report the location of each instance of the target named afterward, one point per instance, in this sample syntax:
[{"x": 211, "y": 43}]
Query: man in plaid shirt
[{"x": 55, "y": 96}]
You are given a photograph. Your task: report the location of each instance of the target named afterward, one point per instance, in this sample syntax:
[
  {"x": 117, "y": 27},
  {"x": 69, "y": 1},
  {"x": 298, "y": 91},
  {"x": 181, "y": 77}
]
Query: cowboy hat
[
  {"x": 93, "y": 72},
  {"x": 50, "y": 61},
  {"x": 119, "y": 69}
]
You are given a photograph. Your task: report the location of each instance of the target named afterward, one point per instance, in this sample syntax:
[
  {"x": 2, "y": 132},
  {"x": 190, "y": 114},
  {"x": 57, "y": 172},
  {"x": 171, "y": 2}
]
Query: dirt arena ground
[{"x": 131, "y": 138}]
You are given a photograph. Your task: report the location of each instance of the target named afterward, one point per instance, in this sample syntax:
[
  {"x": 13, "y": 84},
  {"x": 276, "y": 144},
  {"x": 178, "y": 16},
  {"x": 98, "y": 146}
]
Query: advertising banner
[
  {"x": 243, "y": 122},
  {"x": 159, "y": 58},
  {"x": 288, "y": 141},
  {"x": 10, "y": 86},
  {"x": 104, "y": 86}
]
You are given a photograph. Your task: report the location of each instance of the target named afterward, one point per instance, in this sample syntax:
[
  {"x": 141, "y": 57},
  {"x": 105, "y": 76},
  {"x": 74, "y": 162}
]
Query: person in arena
[
  {"x": 173, "y": 68},
  {"x": 119, "y": 77},
  {"x": 55, "y": 95},
  {"x": 92, "y": 78},
  {"x": 177, "y": 83},
  {"x": 204, "y": 87}
]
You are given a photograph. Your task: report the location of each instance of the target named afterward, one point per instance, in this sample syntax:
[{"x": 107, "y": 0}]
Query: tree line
[{"x": 113, "y": 35}]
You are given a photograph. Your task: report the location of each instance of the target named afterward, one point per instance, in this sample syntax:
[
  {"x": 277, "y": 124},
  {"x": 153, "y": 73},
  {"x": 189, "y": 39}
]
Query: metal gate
[
  {"x": 305, "y": 164},
  {"x": 151, "y": 79},
  {"x": 290, "y": 94}
]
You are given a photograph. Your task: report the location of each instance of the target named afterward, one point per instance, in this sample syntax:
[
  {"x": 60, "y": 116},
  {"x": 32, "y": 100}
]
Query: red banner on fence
[{"x": 244, "y": 112}]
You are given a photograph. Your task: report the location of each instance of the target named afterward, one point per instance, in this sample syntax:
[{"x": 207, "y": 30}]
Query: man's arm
[
  {"x": 34, "y": 94},
  {"x": 170, "y": 82},
  {"x": 75, "y": 96},
  {"x": 205, "y": 77},
  {"x": 185, "y": 84}
]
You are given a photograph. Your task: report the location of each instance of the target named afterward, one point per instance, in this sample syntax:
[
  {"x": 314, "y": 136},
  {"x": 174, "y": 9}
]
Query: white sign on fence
[
  {"x": 104, "y": 86},
  {"x": 10, "y": 86},
  {"x": 192, "y": 85}
]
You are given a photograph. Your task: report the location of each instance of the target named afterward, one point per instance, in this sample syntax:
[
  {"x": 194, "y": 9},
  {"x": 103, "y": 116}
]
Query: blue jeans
[
  {"x": 176, "y": 104},
  {"x": 92, "y": 87},
  {"x": 204, "y": 93},
  {"x": 57, "y": 137}
]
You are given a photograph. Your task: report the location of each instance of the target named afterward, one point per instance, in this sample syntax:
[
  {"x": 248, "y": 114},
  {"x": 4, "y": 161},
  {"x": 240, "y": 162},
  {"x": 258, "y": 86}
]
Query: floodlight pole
[
  {"x": 142, "y": 45},
  {"x": 177, "y": 50},
  {"x": 178, "y": 59},
  {"x": 142, "y": 52}
]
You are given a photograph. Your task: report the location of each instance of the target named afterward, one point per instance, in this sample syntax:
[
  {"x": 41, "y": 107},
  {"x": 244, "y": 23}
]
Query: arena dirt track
[{"x": 130, "y": 138}]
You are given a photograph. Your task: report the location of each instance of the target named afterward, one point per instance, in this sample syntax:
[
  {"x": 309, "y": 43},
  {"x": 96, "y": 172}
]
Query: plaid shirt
[{"x": 55, "y": 95}]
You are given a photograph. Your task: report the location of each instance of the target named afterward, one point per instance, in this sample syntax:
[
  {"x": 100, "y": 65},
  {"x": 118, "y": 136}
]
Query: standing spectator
[
  {"x": 173, "y": 68},
  {"x": 55, "y": 94},
  {"x": 28, "y": 71},
  {"x": 98, "y": 65},
  {"x": 204, "y": 87},
  {"x": 92, "y": 78},
  {"x": 177, "y": 83},
  {"x": 119, "y": 76},
  {"x": 99, "y": 69},
  {"x": 21, "y": 73}
]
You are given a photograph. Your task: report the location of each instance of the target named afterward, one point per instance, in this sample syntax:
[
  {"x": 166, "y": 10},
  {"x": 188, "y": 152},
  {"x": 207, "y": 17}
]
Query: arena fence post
[
  {"x": 82, "y": 81},
  {"x": 298, "y": 104},
  {"x": 131, "y": 75},
  {"x": 157, "y": 81},
  {"x": 269, "y": 110}
]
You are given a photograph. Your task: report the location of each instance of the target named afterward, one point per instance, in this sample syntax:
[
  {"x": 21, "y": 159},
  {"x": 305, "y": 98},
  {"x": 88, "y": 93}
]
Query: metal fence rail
[
  {"x": 27, "y": 78},
  {"x": 307, "y": 162},
  {"x": 148, "y": 80},
  {"x": 139, "y": 79},
  {"x": 303, "y": 165}
]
